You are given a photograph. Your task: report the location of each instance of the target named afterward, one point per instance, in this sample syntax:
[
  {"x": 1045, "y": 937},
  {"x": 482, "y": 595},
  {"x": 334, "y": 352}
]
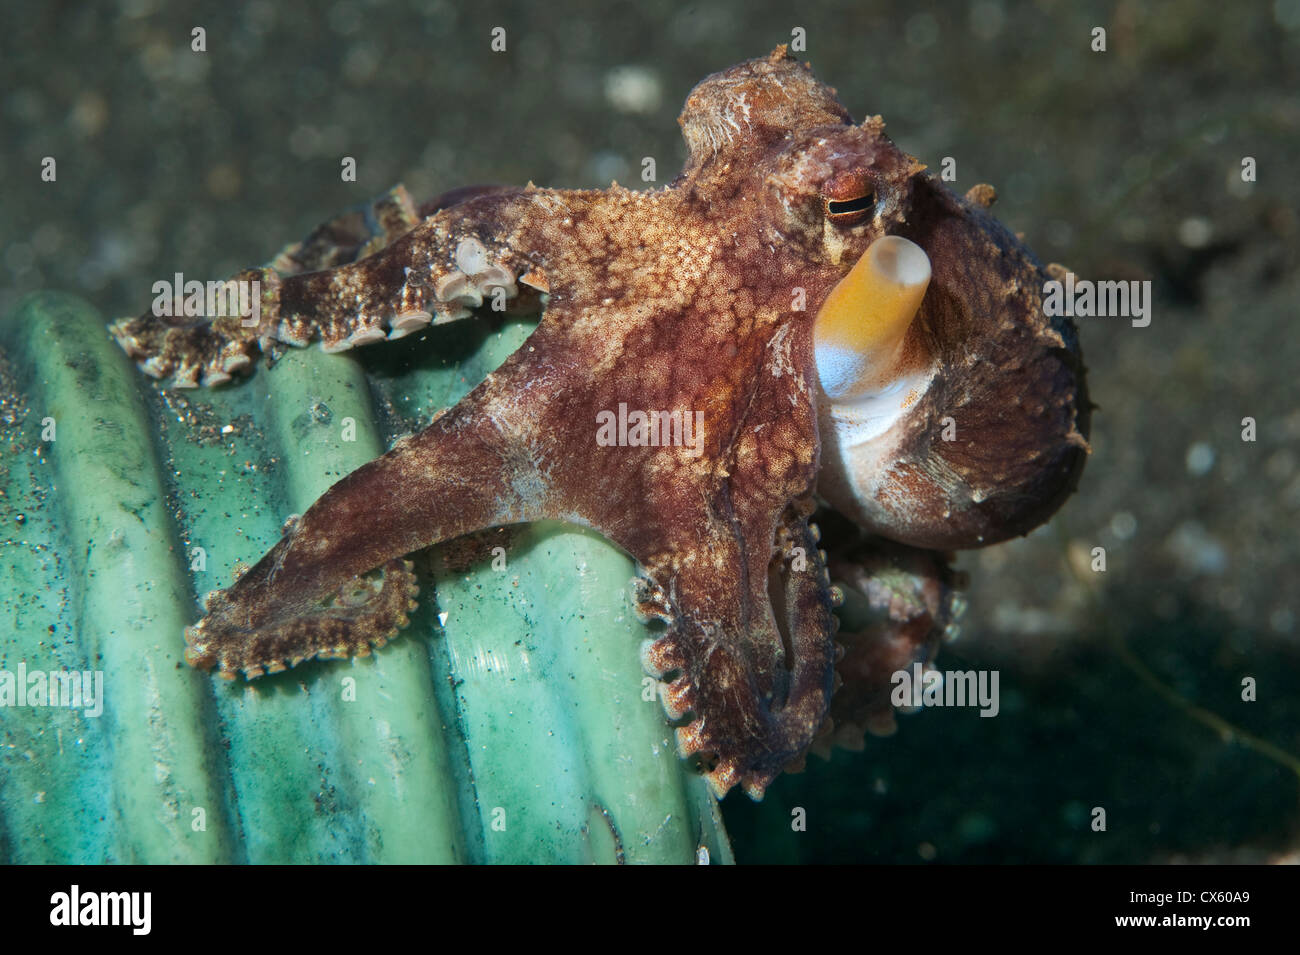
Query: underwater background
[{"x": 1120, "y": 690}]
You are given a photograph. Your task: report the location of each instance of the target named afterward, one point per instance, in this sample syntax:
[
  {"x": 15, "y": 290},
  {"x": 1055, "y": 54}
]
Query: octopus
[{"x": 804, "y": 318}]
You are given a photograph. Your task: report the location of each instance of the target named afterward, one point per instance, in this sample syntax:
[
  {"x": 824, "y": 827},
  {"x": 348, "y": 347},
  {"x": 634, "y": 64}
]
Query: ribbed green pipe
[
  {"x": 515, "y": 732},
  {"x": 396, "y": 766},
  {"x": 49, "y": 816},
  {"x": 568, "y": 757},
  {"x": 131, "y": 598},
  {"x": 228, "y": 478}
]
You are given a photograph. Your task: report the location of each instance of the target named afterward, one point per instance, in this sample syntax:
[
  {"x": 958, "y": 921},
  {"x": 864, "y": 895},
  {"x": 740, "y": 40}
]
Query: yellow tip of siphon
[{"x": 861, "y": 326}]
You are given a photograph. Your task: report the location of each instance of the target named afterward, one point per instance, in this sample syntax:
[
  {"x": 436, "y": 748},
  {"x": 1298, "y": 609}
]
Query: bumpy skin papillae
[{"x": 697, "y": 298}]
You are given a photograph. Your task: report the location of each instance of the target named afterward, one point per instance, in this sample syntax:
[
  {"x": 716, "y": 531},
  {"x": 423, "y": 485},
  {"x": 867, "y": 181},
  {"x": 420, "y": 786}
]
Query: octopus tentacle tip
[{"x": 863, "y": 322}]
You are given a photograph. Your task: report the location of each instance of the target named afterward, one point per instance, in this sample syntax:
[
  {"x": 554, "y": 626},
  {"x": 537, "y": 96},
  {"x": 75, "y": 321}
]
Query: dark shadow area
[{"x": 1077, "y": 729}]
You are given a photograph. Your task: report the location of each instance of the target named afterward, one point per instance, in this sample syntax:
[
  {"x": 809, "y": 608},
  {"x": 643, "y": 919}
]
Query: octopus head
[{"x": 952, "y": 410}]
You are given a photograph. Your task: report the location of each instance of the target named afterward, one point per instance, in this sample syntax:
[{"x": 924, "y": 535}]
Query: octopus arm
[
  {"x": 336, "y": 584},
  {"x": 748, "y": 670},
  {"x": 371, "y": 275}
]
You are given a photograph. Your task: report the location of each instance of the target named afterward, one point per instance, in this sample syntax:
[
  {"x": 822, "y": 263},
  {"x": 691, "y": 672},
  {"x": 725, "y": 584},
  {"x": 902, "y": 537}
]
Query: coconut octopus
[{"x": 803, "y": 318}]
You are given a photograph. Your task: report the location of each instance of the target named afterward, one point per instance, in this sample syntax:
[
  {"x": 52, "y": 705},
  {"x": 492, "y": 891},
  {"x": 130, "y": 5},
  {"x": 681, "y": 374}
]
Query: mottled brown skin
[
  {"x": 900, "y": 604},
  {"x": 678, "y": 299}
]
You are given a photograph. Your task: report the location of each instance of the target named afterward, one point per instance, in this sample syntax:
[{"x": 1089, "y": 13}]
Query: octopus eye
[{"x": 848, "y": 198}]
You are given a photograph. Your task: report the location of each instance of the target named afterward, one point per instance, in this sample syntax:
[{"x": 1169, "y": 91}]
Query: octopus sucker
[
  {"x": 407, "y": 322},
  {"x": 851, "y": 335},
  {"x": 678, "y": 698}
]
